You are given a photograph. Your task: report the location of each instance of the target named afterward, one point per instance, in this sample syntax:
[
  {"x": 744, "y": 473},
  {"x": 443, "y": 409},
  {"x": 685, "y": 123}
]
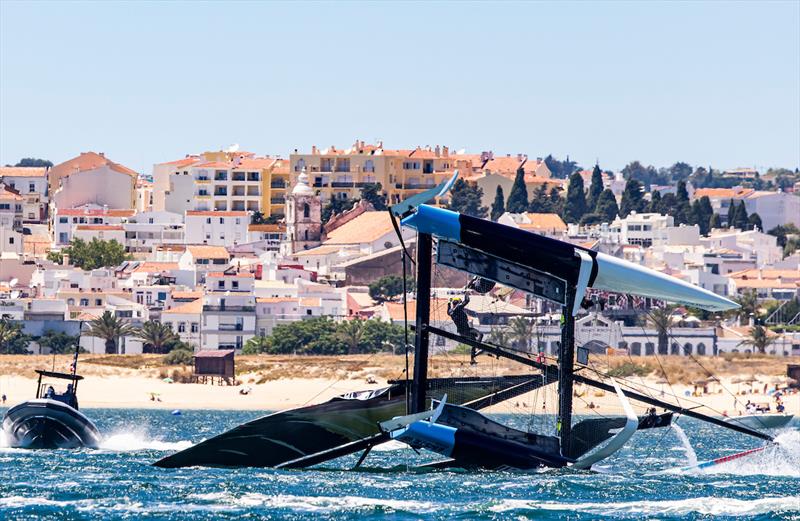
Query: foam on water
[
  {"x": 781, "y": 458},
  {"x": 127, "y": 441},
  {"x": 316, "y": 503},
  {"x": 710, "y": 506}
]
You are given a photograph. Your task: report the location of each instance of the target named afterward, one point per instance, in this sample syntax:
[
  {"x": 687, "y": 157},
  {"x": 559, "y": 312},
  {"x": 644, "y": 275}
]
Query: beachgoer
[
  {"x": 51, "y": 393},
  {"x": 4, "y": 398}
]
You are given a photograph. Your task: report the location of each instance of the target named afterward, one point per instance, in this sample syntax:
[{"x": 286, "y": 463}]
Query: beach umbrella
[{"x": 168, "y": 380}]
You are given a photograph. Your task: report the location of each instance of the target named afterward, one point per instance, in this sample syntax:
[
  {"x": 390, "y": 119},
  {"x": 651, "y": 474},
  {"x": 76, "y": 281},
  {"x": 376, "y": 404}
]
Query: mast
[
  {"x": 566, "y": 366},
  {"x": 419, "y": 384}
]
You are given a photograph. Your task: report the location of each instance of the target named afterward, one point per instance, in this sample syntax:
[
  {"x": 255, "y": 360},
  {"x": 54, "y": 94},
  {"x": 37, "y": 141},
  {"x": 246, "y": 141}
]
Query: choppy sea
[{"x": 643, "y": 481}]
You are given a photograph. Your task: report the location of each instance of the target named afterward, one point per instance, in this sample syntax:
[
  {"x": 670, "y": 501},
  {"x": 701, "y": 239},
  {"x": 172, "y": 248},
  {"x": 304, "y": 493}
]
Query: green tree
[
  {"x": 683, "y": 212},
  {"x": 91, "y": 255},
  {"x": 351, "y": 332},
  {"x": 518, "y": 197},
  {"x": 499, "y": 205},
  {"x": 759, "y": 339},
  {"x": 316, "y": 336},
  {"x": 373, "y": 194},
  {"x": 12, "y": 340},
  {"x": 389, "y": 287},
  {"x": 561, "y": 169},
  {"x": 754, "y": 222},
  {"x": 595, "y": 189},
  {"x": 661, "y": 319},
  {"x": 680, "y": 171},
  {"x": 540, "y": 202},
  {"x": 748, "y": 306},
  {"x": 33, "y": 161},
  {"x": 156, "y": 337},
  {"x": 607, "y": 206},
  {"x": 335, "y": 206},
  {"x": 632, "y": 198},
  {"x": 655, "y": 202},
  {"x": 257, "y": 345},
  {"x": 520, "y": 332},
  {"x": 58, "y": 342},
  {"x": 556, "y": 201},
  {"x": 109, "y": 328},
  {"x": 575, "y": 203},
  {"x": 647, "y": 176},
  {"x": 783, "y": 232},
  {"x": 714, "y": 222},
  {"x": 179, "y": 357},
  {"x": 379, "y": 335},
  {"x": 732, "y": 207},
  {"x": 465, "y": 198},
  {"x": 740, "y": 219}
]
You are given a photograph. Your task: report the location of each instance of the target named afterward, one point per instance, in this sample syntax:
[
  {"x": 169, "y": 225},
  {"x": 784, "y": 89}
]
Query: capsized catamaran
[{"x": 442, "y": 414}]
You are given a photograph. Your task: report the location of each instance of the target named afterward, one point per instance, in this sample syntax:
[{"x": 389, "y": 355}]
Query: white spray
[{"x": 691, "y": 455}]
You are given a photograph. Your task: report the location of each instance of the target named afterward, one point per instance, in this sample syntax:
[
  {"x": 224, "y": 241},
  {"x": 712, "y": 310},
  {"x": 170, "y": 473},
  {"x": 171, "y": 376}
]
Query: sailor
[{"x": 51, "y": 393}]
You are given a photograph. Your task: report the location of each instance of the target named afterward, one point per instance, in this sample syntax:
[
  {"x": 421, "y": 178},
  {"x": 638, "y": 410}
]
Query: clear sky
[{"x": 707, "y": 83}]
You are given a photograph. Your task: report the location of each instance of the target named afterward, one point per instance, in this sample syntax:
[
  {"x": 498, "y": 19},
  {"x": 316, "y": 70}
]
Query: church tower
[{"x": 303, "y": 217}]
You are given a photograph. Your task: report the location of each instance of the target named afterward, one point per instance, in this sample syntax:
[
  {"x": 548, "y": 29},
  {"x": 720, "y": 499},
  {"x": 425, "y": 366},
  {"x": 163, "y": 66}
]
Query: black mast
[
  {"x": 566, "y": 365},
  {"x": 420, "y": 382}
]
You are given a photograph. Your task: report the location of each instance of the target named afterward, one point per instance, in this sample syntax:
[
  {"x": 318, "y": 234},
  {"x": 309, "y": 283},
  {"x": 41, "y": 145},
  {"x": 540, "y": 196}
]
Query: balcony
[
  {"x": 203, "y": 180},
  {"x": 277, "y": 200},
  {"x": 343, "y": 184},
  {"x": 253, "y": 191},
  {"x": 221, "y": 177},
  {"x": 231, "y": 327},
  {"x": 221, "y": 191},
  {"x": 228, "y": 308},
  {"x": 278, "y": 184},
  {"x": 253, "y": 176},
  {"x": 238, "y": 191},
  {"x": 239, "y": 176}
]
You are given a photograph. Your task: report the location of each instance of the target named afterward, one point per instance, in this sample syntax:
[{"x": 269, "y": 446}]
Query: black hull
[{"x": 48, "y": 424}]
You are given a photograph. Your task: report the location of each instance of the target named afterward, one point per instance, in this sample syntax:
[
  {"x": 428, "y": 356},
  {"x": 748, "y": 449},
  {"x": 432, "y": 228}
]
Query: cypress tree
[
  {"x": 632, "y": 199},
  {"x": 575, "y": 204},
  {"x": 655, "y": 202},
  {"x": 556, "y": 203},
  {"x": 540, "y": 202},
  {"x": 466, "y": 198},
  {"x": 740, "y": 217},
  {"x": 754, "y": 222},
  {"x": 683, "y": 213},
  {"x": 499, "y": 205},
  {"x": 607, "y": 206},
  {"x": 518, "y": 198},
  {"x": 731, "y": 212},
  {"x": 714, "y": 222},
  {"x": 705, "y": 205},
  {"x": 595, "y": 189}
]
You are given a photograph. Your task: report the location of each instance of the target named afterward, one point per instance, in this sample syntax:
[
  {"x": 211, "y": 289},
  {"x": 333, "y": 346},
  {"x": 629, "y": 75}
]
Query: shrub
[{"x": 179, "y": 357}]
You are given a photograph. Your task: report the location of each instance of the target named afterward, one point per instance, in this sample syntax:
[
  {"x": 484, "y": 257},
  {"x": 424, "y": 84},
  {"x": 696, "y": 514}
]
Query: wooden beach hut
[{"x": 214, "y": 366}]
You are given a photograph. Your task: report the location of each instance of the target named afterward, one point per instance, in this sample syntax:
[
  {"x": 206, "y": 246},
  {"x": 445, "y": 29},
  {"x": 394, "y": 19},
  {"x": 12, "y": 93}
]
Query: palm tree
[
  {"x": 661, "y": 319},
  {"x": 759, "y": 339},
  {"x": 12, "y": 339},
  {"x": 748, "y": 303},
  {"x": 156, "y": 337},
  {"x": 521, "y": 332},
  {"x": 351, "y": 332},
  {"x": 109, "y": 328}
]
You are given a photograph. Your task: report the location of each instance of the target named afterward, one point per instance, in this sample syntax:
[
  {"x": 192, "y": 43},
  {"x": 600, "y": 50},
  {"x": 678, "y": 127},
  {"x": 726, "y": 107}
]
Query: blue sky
[{"x": 708, "y": 83}]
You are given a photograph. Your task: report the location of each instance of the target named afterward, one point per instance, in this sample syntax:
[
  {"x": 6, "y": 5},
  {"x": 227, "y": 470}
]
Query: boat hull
[
  {"x": 762, "y": 421},
  {"x": 48, "y": 424}
]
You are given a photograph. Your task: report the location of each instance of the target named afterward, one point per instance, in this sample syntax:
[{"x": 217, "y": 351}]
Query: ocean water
[{"x": 644, "y": 481}]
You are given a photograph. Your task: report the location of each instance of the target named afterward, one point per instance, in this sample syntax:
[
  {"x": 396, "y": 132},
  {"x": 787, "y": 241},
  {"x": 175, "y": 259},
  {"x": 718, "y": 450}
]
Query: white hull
[{"x": 762, "y": 421}]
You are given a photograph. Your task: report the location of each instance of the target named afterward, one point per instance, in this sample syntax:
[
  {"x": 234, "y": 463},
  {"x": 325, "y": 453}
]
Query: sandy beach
[{"x": 281, "y": 382}]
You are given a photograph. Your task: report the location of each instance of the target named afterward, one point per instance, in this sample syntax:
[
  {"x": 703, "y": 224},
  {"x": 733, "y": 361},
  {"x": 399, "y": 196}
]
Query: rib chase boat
[
  {"x": 444, "y": 415},
  {"x": 51, "y": 420}
]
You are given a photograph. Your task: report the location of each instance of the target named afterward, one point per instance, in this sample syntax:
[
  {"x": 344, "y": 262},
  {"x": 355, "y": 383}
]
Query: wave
[
  {"x": 126, "y": 442},
  {"x": 318, "y": 503},
  {"x": 707, "y": 506}
]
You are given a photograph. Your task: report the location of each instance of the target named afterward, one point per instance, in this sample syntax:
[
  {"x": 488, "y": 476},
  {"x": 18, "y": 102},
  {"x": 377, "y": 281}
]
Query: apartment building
[
  {"x": 145, "y": 231},
  {"x": 216, "y": 227},
  {"x": 31, "y": 184},
  {"x": 341, "y": 173},
  {"x": 11, "y": 238},
  {"x": 229, "y": 310},
  {"x": 224, "y": 181}
]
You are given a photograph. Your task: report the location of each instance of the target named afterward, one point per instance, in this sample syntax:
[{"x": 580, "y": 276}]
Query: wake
[{"x": 131, "y": 442}]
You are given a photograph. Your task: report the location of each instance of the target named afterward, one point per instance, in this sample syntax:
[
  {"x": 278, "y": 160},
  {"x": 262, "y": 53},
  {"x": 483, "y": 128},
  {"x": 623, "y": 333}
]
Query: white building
[
  {"x": 202, "y": 259},
  {"x": 147, "y": 230},
  {"x": 229, "y": 310},
  {"x": 31, "y": 184},
  {"x": 549, "y": 224},
  {"x": 774, "y": 208},
  {"x": 218, "y": 228},
  {"x": 185, "y": 319},
  {"x": 92, "y": 179},
  {"x": 642, "y": 228},
  {"x": 67, "y": 220}
]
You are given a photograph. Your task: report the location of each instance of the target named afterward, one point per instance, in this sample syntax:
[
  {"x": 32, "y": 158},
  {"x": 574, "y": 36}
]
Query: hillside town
[{"x": 231, "y": 250}]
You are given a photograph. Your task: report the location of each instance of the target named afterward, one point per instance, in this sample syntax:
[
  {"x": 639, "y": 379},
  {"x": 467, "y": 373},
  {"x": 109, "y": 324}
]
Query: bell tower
[{"x": 303, "y": 217}]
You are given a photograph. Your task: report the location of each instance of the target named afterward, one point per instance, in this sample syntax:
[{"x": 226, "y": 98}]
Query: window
[
  {"x": 70, "y": 301},
  {"x": 63, "y": 220},
  {"x": 701, "y": 349},
  {"x": 84, "y": 302},
  {"x": 11, "y": 240},
  {"x": 675, "y": 349},
  {"x": 98, "y": 302},
  {"x": 31, "y": 187},
  {"x": 308, "y": 312},
  {"x": 181, "y": 327},
  {"x": 195, "y": 327},
  {"x": 208, "y": 220},
  {"x": 238, "y": 221},
  {"x": 235, "y": 284},
  {"x": 649, "y": 348},
  {"x": 306, "y": 210},
  {"x": 221, "y": 284},
  {"x": 222, "y": 220}
]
